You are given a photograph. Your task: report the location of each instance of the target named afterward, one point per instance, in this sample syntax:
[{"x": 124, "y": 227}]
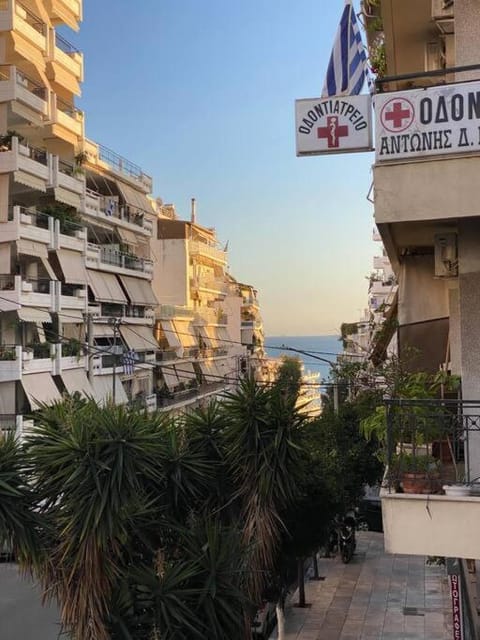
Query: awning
[
  {"x": 67, "y": 197},
  {"x": 209, "y": 335},
  {"x": 209, "y": 371},
  {"x": 138, "y": 337},
  {"x": 22, "y": 177},
  {"x": 32, "y": 248},
  {"x": 73, "y": 266},
  {"x": 170, "y": 377},
  {"x": 28, "y": 314},
  {"x": 134, "y": 198},
  {"x": 205, "y": 337},
  {"x": 40, "y": 389},
  {"x": 102, "y": 330},
  {"x": 223, "y": 335},
  {"x": 105, "y": 287},
  {"x": 127, "y": 236},
  {"x": 76, "y": 380},
  {"x": 71, "y": 316},
  {"x": 185, "y": 371},
  {"x": 103, "y": 389},
  {"x": 185, "y": 332},
  {"x": 170, "y": 333},
  {"x": 48, "y": 268},
  {"x": 139, "y": 291}
]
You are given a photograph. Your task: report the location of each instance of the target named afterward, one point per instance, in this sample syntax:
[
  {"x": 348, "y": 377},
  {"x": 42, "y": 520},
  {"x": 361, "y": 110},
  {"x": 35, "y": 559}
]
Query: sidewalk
[{"x": 376, "y": 596}]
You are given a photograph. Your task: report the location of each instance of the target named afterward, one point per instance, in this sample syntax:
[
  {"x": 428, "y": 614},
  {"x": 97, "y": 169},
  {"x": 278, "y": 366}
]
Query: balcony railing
[
  {"x": 167, "y": 311},
  {"x": 30, "y": 18},
  {"x": 8, "y": 422},
  {"x": 40, "y": 285},
  {"x": 124, "y": 260},
  {"x": 419, "y": 79},
  {"x": 64, "y": 45},
  {"x": 31, "y": 85},
  {"x": 7, "y": 282},
  {"x": 119, "y": 163},
  {"x": 431, "y": 438}
]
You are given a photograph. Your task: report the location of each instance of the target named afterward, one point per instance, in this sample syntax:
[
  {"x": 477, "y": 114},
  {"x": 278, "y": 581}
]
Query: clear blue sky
[{"x": 200, "y": 93}]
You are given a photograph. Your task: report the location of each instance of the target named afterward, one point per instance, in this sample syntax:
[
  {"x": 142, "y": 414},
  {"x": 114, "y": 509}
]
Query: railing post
[{"x": 389, "y": 438}]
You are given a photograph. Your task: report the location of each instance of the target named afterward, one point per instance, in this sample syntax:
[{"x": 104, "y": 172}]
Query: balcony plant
[
  {"x": 67, "y": 216},
  {"x": 7, "y": 353},
  {"x": 416, "y": 473}
]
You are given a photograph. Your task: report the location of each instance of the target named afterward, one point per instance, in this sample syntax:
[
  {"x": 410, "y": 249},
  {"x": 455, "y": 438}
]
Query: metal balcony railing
[
  {"x": 64, "y": 45},
  {"x": 31, "y": 85},
  {"x": 432, "y": 437},
  {"x": 119, "y": 163},
  {"x": 418, "y": 79}
]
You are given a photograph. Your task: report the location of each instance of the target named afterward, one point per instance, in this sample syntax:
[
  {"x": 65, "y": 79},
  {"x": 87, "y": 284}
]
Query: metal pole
[
  {"x": 90, "y": 347},
  {"x": 114, "y": 391}
]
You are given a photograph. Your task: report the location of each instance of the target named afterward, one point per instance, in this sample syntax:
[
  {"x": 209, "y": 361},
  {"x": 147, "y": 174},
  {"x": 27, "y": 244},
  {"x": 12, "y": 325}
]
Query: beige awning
[
  {"x": 138, "y": 337},
  {"x": 170, "y": 377},
  {"x": 127, "y": 236},
  {"x": 185, "y": 332},
  {"x": 223, "y": 335},
  {"x": 48, "y": 268},
  {"x": 204, "y": 335},
  {"x": 28, "y": 314},
  {"x": 76, "y": 380},
  {"x": 209, "y": 335},
  {"x": 22, "y": 177},
  {"x": 134, "y": 198},
  {"x": 170, "y": 333},
  {"x": 32, "y": 248},
  {"x": 106, "y": 287},
  {"x": 71, "y": 316},
  {"x": 103, "y": 389},
  {"x": 102, "y": 330},
  {"x": 67, "y": 197},
  {"x": 139, "y": 291},
  {"x": 73, "y": 266},
  {"x": 185, "y": 371},
  {"x": 40, "y": 389},
  {"x": 209, "y": 371}
]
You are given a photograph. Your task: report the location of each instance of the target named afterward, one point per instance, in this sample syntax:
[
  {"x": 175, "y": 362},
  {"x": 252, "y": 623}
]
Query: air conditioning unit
[
  {"x": 443, "y": 15},
  {"x": 446, "y": 255}
]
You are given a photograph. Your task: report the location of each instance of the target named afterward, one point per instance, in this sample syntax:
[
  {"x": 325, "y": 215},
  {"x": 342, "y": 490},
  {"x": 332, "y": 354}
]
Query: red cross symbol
[
  {"x": 397, "y": 115},
  {"x": 332, "y": 132}
]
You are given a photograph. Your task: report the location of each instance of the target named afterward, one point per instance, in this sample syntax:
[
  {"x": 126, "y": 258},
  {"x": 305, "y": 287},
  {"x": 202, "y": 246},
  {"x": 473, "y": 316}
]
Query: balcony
[
  {"x": 67, "y": 56},
  {"x": 433, "y": 455},
  {"x": 16, "y": 85},
  {"x": 168, "y": 311},
  {"x": 32, "y": 164},
  {"x": 33, "y": 31},
  {"x": 108, "y": 258},
  {"x": 67, "y": 121},
  {"x": 27, "y": 292},
  {"x": 10, "y": 363},
  {"x": 209, "y": 285},
  {"x": 203, "y": 250},
  {"x": 39, "y": 357},
  {"x": 99, "y": 206},
  {"x": 67, "y": 12},
  {"x": 109, "y": 160}
]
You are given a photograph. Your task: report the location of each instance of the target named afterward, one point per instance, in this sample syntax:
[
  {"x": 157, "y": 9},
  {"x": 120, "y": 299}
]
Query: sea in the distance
[{"x": 326, "y": 347}]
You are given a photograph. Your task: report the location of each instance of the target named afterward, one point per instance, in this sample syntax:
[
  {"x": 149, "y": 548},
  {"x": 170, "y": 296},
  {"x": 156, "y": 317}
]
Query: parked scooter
[{"x": 342, "y": 538}]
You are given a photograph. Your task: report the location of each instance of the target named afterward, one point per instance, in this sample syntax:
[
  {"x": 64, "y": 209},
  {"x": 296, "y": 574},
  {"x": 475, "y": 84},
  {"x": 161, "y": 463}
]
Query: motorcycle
[{"x": 342, "y": 538}]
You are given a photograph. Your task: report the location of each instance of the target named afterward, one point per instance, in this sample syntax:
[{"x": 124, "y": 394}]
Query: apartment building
[
  {"x": 427, "y": 112},
  {"x": 199, "y": 321}
]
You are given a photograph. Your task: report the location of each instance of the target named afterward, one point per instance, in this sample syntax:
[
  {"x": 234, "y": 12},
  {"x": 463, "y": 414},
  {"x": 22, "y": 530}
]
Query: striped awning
[
  {"x": 67, "y": 197},
  {"x": 27, "y": 179}
]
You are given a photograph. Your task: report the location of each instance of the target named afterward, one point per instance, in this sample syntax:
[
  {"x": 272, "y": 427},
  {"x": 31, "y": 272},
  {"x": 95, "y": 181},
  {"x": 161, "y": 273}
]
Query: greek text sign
[
  {"x": 333, "y": 125},
  {"x": 456, "y": 596},
  {"x": 423, "y": 122}
]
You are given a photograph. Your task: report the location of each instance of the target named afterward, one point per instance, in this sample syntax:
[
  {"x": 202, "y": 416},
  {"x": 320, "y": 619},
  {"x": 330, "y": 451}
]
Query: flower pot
[
  {"x": 420, "y": 482},
  {"x": 457, "y": 490}
]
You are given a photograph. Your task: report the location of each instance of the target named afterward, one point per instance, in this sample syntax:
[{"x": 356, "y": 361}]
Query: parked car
[{"x": 264, "y": 621}]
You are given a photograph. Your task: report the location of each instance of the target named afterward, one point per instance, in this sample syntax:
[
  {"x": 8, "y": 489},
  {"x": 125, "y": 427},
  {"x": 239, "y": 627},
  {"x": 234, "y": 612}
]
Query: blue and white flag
[
  {"x": 347, "y": 68},
  {"x": 129, "y": 359}
]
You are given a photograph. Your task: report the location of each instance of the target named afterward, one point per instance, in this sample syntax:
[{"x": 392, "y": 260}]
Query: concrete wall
[
  {"x": 437, "y": 189},
  {"x": 467, "y": 37},
  {"x": 171, "y": 271},
  {"x": 431, "y": 525}
]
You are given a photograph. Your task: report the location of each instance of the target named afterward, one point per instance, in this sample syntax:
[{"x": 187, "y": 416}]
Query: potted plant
[{"x": 417, "y": 473}]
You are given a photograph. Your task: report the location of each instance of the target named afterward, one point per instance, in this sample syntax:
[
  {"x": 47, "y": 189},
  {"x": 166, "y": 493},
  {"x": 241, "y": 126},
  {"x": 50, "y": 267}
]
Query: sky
[{"x": 200, "y": 94}]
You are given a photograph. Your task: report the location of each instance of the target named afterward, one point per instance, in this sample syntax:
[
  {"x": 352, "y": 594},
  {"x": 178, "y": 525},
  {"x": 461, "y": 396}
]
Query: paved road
[
  {"x": 22, "y": 616},
  {"x": 375, "y": 597}
]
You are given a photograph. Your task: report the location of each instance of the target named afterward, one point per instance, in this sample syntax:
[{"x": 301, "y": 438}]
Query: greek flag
[
  {"x": 347, "y": 68},
  {"x": 129, "y": 359}
]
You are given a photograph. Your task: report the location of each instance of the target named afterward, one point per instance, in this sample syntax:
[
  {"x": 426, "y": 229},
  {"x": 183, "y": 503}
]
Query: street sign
[
  {"x": 337, "y": 124},
  {"x": 425, "y": 122}
]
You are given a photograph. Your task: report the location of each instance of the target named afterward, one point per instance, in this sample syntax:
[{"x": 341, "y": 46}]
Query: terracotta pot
[{"x": 420, "y": 482}]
